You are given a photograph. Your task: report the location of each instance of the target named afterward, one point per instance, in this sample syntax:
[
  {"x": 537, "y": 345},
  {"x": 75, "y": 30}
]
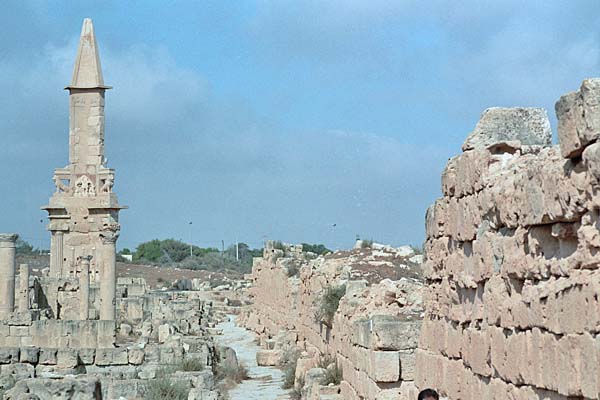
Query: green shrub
[
  {"x": 296, "y": 392},
  {"x": 417, "y": 249},
  {"x": 315, "y": 248},
  {"x": 163, "y": 387},
  {"x": 366, "y": 244},
  {"x": 329, "y": 303},
  {"x": 278, "y": 245},
  {"x": 333, "y": 374},
  {"x": 236, "y": 374},
  {"x": 190, "y": 364},
  {"x": 289, "y": 361},
  {"x": 293, "y": 269}
]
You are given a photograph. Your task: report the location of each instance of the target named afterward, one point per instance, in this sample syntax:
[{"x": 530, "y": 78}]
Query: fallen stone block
[
  {"x": 268, "y": 358},
  {"x": 530, "y": 126}
]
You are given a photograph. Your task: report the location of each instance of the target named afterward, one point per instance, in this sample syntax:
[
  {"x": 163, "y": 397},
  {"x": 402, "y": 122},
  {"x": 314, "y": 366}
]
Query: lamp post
[{"x": 191, "y": 249}]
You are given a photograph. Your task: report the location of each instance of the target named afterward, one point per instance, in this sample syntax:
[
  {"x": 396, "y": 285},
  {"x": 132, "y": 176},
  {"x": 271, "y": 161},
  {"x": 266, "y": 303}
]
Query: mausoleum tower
[{"x": 84, "y": 211}]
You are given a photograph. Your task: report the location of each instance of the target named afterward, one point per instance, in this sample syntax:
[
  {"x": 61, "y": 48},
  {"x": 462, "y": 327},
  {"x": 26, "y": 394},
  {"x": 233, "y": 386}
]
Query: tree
[
  {"x": 24, "y": 248},
  {"x": 315, "y": 248},
  {"x": 148, "y": 251}
]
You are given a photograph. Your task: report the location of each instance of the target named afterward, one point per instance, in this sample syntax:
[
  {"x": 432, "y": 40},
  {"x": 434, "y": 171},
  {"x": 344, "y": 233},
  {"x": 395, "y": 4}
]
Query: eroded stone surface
[
  {"x": 511, "y": 268},
  {"x": 528, "y": 126}
]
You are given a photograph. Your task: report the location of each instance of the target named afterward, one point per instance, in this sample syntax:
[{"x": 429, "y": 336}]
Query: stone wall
[
  {"x": 373, "y": 334},
  {"x": 18, "y": 332},
  {"x": 512, "y": 308}
]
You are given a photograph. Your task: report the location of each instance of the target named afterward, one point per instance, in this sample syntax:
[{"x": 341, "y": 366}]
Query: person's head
[{"x": 429, "y": 394}]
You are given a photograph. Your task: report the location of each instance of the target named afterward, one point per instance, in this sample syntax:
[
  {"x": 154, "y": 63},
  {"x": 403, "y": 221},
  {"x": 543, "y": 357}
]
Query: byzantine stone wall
[
  {"x": 512, "y": 309},
  {"x": 373, "y": 334}
]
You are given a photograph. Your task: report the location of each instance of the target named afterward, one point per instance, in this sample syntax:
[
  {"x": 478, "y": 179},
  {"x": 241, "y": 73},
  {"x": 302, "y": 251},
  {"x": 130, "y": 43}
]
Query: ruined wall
[
  {"x": 512, "y": 308},
  {"x": 373, "y": 334}
]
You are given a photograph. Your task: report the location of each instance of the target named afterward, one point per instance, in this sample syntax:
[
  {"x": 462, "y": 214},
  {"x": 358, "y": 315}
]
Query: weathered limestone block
[
  {"x": 268, "y": 357},
  {"x": 386, "y": 332},
  {"x": 105, "y": 357},
  {"x": 578, "y": 116},
  {"x": 46, "y": 389},
  {"x": 9, "y": 355},
  {"x": 19, "y": 371},
  {"x": 530, "y": 126},
  {"x": 48, "y": 356},
  {"x": 380, "y": 366},
  {"x": 67, "y": 358},
  {"x": 29, "y": 355},
  {"x": 122, "y": 388},
  {"x": 87, "y": 356},
  {"x": 202, "y": 394},
  {"x": 135, "y": 356}
]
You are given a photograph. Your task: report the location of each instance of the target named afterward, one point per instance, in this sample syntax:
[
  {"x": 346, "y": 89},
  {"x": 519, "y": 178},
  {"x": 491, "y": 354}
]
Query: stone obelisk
[{"x": 84, "y": 211}]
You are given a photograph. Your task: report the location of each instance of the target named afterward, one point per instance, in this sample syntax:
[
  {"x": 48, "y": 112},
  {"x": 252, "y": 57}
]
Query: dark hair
[{"x": 427, "y": 393}]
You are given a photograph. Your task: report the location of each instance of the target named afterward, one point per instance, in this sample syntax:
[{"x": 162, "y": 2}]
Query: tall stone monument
[{"x": 84, "y": 211}]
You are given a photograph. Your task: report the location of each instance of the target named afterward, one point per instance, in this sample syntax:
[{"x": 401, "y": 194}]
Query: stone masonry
[
  {"x": 84, "y": 211},
  {"x": 512, "y": 309},
  {"x": 373, "y": 334}
]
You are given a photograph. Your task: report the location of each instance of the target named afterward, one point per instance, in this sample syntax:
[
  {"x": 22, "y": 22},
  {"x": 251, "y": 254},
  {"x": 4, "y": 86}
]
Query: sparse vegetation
[
  {"x": 24, "y": 248},
  {"x": 164, "y": 387},
  {"x": 417, "y": 249},
  {"x": 329, "y": 303},
  {"x": 315, "y": 248},
  {"x": 293, "y": 267},
  {"x": 236, "y": 374},
  {"x": 278, "y": 245},
  {"x": 190, "y": 364},
  {"x": 171, "y": 252},
  {"x": 288, "y": 363},
  {"x": 333, "y": 371},
  {"x": 296, "y": 392},
  {"x": 366, "y": 244}
]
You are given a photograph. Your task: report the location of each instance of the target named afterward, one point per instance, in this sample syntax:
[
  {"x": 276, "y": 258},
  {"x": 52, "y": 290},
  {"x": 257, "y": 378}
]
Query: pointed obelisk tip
[{"x": 87, "y": 72}]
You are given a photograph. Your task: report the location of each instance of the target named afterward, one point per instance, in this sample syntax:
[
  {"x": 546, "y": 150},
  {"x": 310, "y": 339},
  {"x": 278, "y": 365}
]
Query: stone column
[
  {"x": 23, "y": 287},
  {"x": 56, "y": 254},
  {"x": 84, "y": 287},
  {"x": 108, "y": 280},
  {"x": 7, "y": 273}
]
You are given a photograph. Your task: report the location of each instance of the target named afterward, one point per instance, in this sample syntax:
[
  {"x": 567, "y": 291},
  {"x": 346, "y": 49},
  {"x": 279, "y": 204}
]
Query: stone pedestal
[
  {"x": 84, "y": 288},
  {"x": 23, "y": 302},
  {"x": 108, "y": 282},
  {"x": 7, "y": 273}
]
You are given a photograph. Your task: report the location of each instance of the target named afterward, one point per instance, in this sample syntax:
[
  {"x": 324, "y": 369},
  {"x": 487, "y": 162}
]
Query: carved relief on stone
[
  {"x": 60, "y": 185},
  {"x": 109, "y": 236},
  {"x": 110, "y": 230},
  {"x": 84, "y": 187},
  {"x": 108, "y": 185}
]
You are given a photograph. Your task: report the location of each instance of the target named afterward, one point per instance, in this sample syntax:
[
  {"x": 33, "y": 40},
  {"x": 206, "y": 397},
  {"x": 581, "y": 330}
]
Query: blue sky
[{"x": 277, "y": 119}]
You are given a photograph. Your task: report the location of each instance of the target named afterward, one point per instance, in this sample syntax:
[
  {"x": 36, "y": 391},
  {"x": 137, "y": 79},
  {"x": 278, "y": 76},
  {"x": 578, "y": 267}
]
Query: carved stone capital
[{"x": 109, "y": 236}]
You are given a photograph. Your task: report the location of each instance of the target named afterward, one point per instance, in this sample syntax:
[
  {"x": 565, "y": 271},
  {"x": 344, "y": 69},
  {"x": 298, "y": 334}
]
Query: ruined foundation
[{"x": 372, "y": 336}]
